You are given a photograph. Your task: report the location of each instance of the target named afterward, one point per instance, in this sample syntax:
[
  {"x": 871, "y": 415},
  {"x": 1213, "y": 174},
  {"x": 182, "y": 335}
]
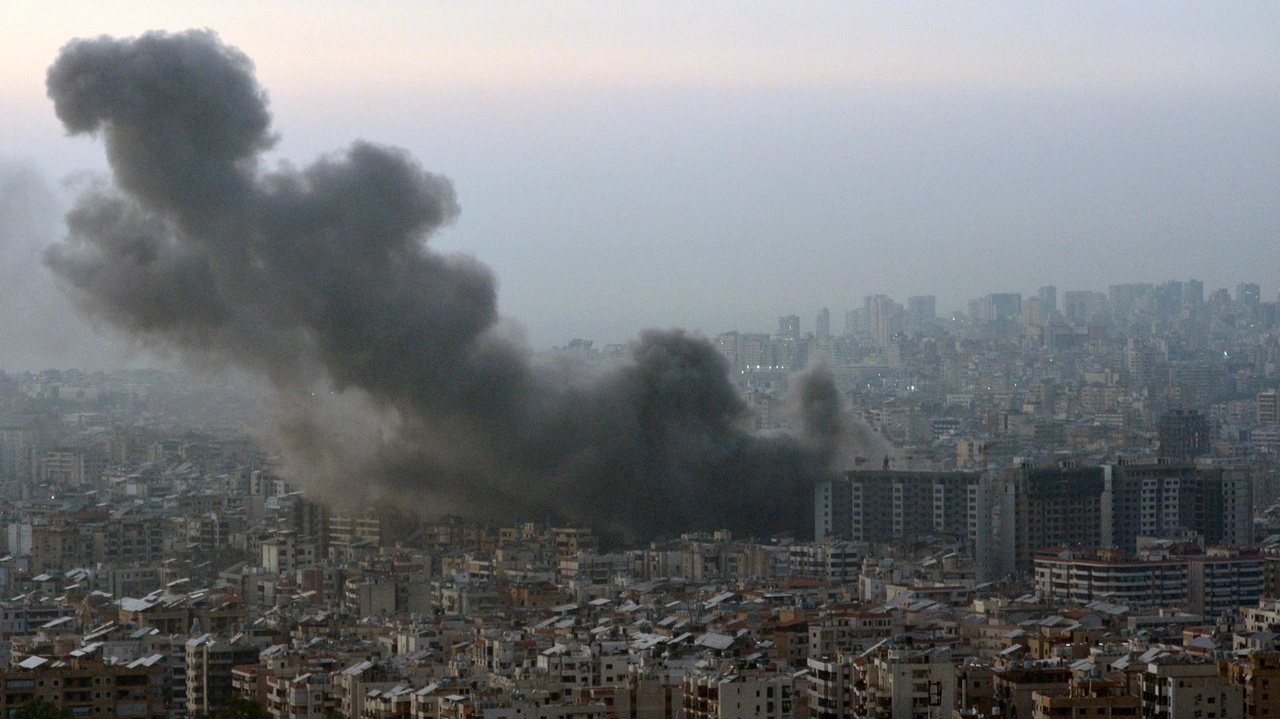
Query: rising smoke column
[{"x": 320, "y": 280}]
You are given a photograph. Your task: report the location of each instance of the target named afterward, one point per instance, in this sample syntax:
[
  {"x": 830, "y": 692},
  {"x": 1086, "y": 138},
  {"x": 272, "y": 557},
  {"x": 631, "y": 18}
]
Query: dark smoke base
[{"x": 321, "y": 277}]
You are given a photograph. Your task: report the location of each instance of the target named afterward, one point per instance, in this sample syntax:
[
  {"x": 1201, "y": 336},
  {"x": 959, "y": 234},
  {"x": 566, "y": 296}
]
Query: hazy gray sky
[{"x": 714, "y": 165}]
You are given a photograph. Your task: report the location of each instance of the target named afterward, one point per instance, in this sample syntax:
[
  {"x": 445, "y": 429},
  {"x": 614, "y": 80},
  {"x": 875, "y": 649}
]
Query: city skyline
[
  {"x": 622, "y": 170},
  {"x": 573, "y": 360}
]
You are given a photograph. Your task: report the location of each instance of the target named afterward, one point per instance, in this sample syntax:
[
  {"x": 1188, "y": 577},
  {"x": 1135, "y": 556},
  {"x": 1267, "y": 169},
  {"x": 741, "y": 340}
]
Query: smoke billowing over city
[
  {"x": 546, "y": 360},
  {"x": 396, "y": 377}
]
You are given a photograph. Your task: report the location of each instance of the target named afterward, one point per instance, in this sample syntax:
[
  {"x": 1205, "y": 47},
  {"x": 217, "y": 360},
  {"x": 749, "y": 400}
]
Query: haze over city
[
  {"x": 716, "y": 167},
  {"x": 525, "y": 360}
]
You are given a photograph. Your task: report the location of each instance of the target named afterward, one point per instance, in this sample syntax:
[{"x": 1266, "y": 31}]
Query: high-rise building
[
  {"x": 1080, "y": 307},
  {"x": 832, "y": 504},
  {"x": 1248, "y": 294},
  {"x": 1193, "y": 292},
  {"x": 855, "y": 322},
  {"x": 730, "y": 345},
  {"x": 1084, "y": 577},
  {"x": 757, "y": 352},
  {"x": 1129, "y": 299},
  {"x": 888, "y": 506},
  {"x": 921, "y": 312},
  {"x": 822, "y": 327},
  {"x": 1268, "y": 407},
  {"x": 789, "y": 327},
  {"x": 1169, "y": 499},
  {"x": 884, "y": 319},
  {"x": 1031, "y": 314},
  {"x": 1184, "y": 434},
  {"x": 1168, "y": 298},
  {"x": 831, "y": 685},
  {"x": 1048, "y": 505},
  {"x": 792, "y": 355},
  {"x": 997, "y": 307},
  {"x": 1048, "y": 300},
  {"x": 1210, "y": 584},
  {"x": 209, "y": 664},
  {"x": 1223, "y": 580}
]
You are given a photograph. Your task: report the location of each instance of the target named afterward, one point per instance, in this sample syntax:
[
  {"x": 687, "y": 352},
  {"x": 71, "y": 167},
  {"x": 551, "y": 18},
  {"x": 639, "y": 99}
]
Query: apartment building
[
  {"x": 907, "y": 684},
  {"x": 86, "y": 685},
  {"x": 739, "y": 695},
  {"x": 1184, "y": 687},
  {"x": 1106, "y": 575}
]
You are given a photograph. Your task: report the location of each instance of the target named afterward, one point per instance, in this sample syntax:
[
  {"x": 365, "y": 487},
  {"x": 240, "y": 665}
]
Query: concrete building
[
  {"x": 907, "y": 684},
  {"x": 135, "y": 688},
  {"x": 1268, "y": 402},
  {"x": 890, "y": 507},
  {"x": 1076, "y": 577},
  {"x": 921, "y": 312},
  {"x": 1014, "y": 687},
  {"x": 848, "y": 632},
  {"x": 1048, "y": 505},
  {"x": 209, "y": 662},
  {"x": 1184, "y": 434},
  {"x": 828, "y": 561},
  {"x": 884, "y": 319},
  {"x": 822, "y": 326},
  {"x": 1085, "y": 698},
  {"x": 831, "y": 685},
  {"x": 352, "y": 685},
  {"x": 1169, "y": 498},
  {"x": 66, "y": 469},
  {"x": 128, "y": 543},
  {"x": 286, "y": 552},
  {"x": 739, "y": 695},
  {"x": 305, "y": 696},
  {"x": 789, "y": 328},
  {"x": 371, "y": 597},
  {"x": 1258, "y": 676},
  {"x": 1223, "y": 580},
  {"x": 1182, "y": 687}
]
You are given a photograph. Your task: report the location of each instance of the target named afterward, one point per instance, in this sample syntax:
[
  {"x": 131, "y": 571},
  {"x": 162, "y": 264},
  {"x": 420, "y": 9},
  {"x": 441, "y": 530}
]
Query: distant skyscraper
[
  {"x": 756, "y": 352},
  {"x": 1128, "y": 299},
  {"x": 997, "y": 307},
  {"x": 1248, "y": 294},
  {"x": 1168, "y": 298},
  {"x": 789, "y": 327},
  {"x": 1032, "y": 314},
  {"x": 823, "y": 325},
  {"x": 1048, "y": 301},
  {"x": 1081, "y": 307},
  {"x": 921, "y": 311},
  {"x": 730, "y": 345},
  {"x": 1268, "y": 407},
  {"x": 855, "y": 322},
  {"x": 884, "y": 319},
  {"x": 1193, "y": 292}
]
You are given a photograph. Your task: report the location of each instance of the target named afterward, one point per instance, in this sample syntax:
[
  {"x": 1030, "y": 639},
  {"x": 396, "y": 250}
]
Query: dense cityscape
[
  {"x": 1050, "y": 508},
  {"x": 298, "y": 457}
]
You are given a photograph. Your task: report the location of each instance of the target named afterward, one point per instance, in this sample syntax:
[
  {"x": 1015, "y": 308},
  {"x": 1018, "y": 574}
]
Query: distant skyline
[{"x": 715, "y": 166}]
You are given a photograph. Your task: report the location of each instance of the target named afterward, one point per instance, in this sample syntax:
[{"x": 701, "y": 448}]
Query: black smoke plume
[{"x": 392, "y": 369}]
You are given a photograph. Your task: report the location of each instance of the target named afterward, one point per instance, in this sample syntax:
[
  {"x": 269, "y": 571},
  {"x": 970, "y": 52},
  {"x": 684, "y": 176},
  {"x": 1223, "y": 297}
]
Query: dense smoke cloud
[{"x": 395, "y": 375}]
